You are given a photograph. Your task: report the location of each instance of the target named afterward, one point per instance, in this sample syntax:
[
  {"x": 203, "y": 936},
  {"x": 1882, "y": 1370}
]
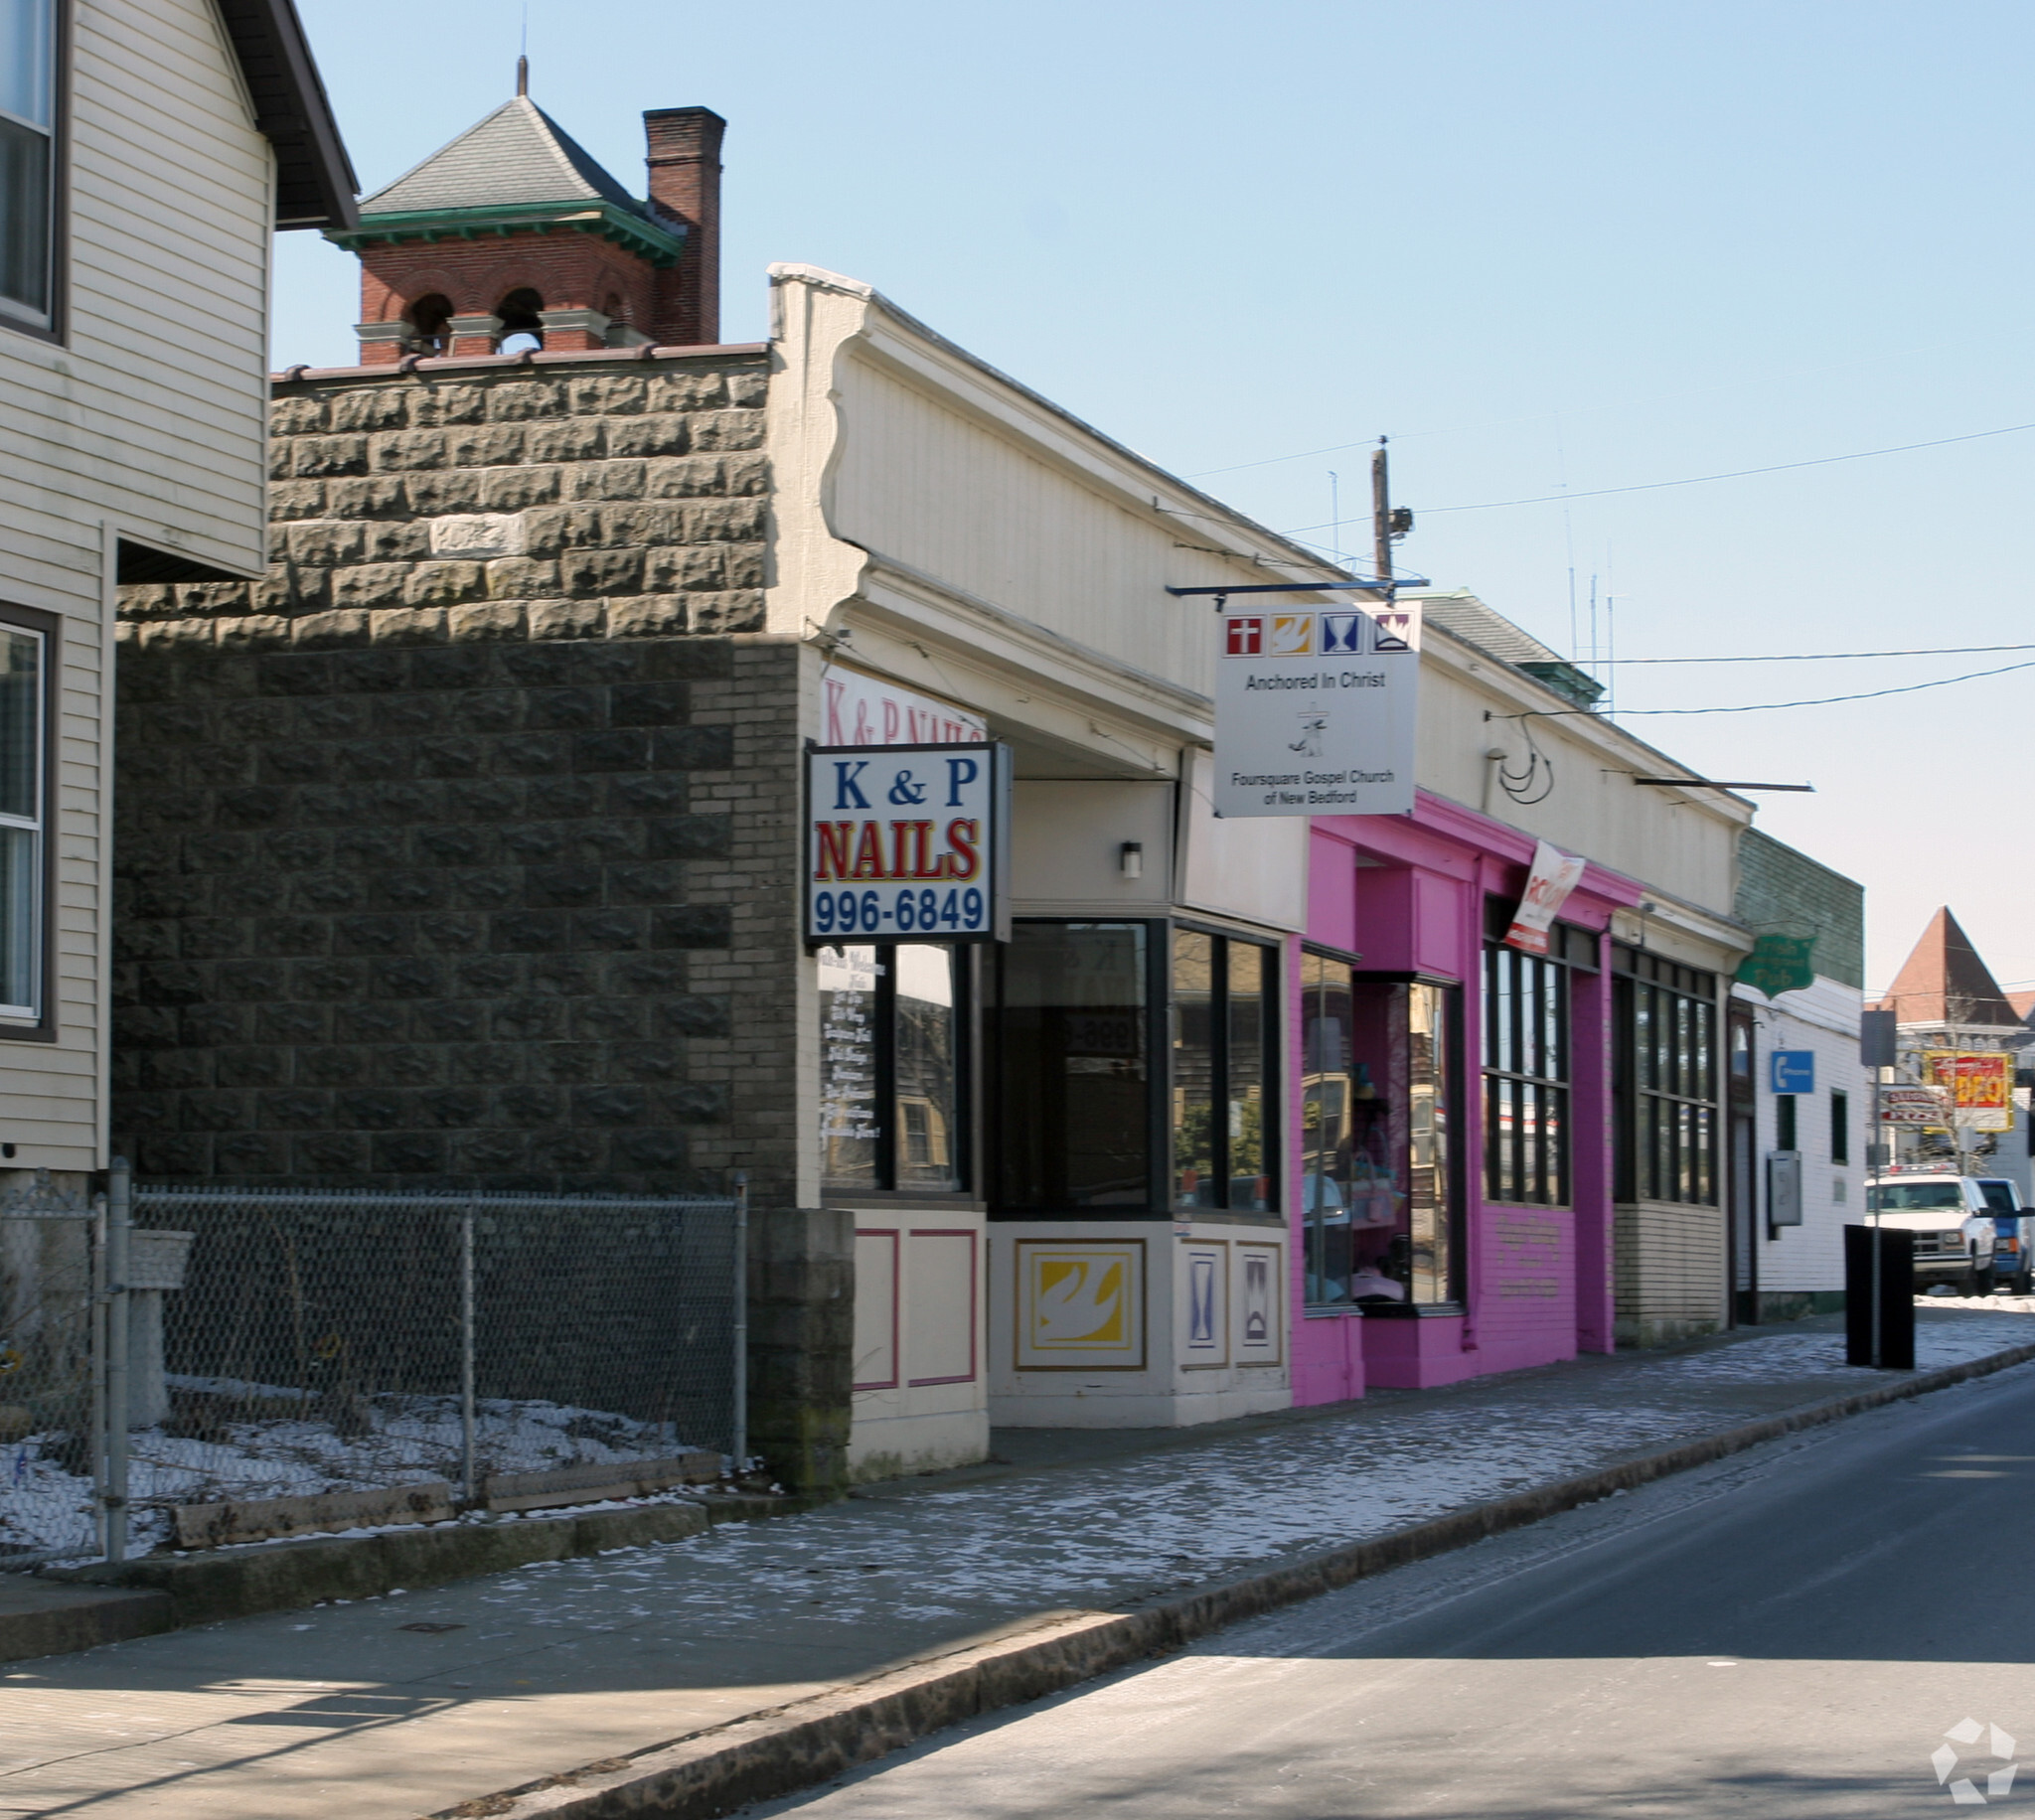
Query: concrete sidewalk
[{"x": 417, "y": 1703}]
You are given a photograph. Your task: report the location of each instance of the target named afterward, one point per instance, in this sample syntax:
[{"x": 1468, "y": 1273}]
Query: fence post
[
  {"x": 98, "y": 1373},
  {"x": 739, "y": 1423},
  {"x": 466, "y": 1348},
  {"x": 119, "y": 1218}
]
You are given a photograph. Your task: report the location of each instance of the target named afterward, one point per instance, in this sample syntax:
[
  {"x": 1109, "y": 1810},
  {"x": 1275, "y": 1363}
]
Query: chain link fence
[
  {"x": 51, "y": 1332},
  {"x": 271, "y": 1345}
]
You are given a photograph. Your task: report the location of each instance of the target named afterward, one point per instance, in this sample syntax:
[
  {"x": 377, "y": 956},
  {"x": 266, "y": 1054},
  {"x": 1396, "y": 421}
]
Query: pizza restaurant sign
[{"x": 907, "y": 843}]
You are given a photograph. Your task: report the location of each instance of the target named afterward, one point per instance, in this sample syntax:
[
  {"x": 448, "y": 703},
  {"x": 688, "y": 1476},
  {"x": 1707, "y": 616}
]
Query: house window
[
  {"x": 1379, "y": 1177},
  {"x": 1840, "y": 1127},
  {"x": 28, "y": 161},
  {"x": 1222, "y": 1017},
  {"x": 24, "y": 800},
  {"x": 1074, "y": 1101},
  {"x": 890, "y": 1068},
  {"x": 1525, "y": 1078},
  {"x": 1664, "y": 1139}
]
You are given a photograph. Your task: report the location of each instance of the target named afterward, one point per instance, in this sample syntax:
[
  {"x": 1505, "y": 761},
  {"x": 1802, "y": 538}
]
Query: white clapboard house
[{"x": 148, "y": 150}]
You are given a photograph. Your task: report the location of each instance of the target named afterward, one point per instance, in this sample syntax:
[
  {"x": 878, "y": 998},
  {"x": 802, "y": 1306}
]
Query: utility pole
[{"x": 1381, "y": 515}]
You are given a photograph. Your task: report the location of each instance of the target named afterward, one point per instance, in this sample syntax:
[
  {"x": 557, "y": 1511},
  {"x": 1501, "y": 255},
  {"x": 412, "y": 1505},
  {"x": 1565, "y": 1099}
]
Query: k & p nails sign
[{"x": 907, "y": 843}]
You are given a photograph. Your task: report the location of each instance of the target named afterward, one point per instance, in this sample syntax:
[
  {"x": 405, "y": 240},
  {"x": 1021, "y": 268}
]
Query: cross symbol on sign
[{"x": 1245, "y": 636}]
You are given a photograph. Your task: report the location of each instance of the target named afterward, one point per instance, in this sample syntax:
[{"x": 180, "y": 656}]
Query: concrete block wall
[
  {"x": 418, "y": 853},
  {"x": 461, "y": 850}
]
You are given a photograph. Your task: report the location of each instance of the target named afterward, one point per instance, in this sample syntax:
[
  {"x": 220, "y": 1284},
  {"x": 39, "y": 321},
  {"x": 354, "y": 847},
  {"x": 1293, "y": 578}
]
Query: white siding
[
  {"x": 148, "y": 418},
  {"x": 1821, "y": 1017},
  {"x": 962, "y": 498}
]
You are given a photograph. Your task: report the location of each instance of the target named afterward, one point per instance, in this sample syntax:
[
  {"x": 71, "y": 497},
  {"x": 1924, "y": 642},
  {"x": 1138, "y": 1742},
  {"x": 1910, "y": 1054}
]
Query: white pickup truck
[{"x": 1952, "y": 1218}]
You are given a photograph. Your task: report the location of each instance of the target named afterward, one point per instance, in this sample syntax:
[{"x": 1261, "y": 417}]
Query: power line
[
  {"x": 1761, "y": 707},
  {"x": 1830, "y": 657},
  {"x": 1701, "y": 480}
]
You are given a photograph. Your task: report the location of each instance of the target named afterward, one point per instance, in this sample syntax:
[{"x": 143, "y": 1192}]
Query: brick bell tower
[{"x": 514, "y": 234}]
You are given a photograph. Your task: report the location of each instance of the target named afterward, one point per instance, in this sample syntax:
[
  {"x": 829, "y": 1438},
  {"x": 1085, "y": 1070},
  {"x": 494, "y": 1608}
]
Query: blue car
[{"x": 2013, "y": 1243}]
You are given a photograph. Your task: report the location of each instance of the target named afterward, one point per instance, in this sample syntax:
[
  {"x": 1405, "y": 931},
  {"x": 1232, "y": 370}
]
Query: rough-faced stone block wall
[
  {"x": 462, "y": 848},
  {"x": 431, "y": 845}
]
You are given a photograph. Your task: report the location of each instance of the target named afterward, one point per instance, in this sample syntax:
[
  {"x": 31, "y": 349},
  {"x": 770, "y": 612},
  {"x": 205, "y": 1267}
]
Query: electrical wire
[
  {"x": 1830, "y": 657},
  {"x": 1702, "y": 480},
  {"x": 1761, "y": 707}
]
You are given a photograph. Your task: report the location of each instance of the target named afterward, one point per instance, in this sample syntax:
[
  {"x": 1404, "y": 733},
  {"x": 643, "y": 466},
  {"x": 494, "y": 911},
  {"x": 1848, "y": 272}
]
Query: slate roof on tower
[
  {"x": 1944, "y": 981},
  {"x": 518, "y": 155},
  {"x": 518, "y": 170}
]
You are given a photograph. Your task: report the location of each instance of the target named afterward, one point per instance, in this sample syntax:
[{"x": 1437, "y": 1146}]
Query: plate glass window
[
  {"x": 1222, "y": 1013},
  {"x": 1665, "y": 1080},
  {"x": 21, "y": 822},
  {"x": 28, "y": 158},
  {"x": 891, "y": 1062},
  {"x": 1073, "y": 1101},
  {"x": 1379, "y": 1183},
  {"x": 1525, "y": 1078}
]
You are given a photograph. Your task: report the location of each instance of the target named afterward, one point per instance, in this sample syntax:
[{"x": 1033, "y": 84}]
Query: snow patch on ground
[{"x": 46, "y": 1490}]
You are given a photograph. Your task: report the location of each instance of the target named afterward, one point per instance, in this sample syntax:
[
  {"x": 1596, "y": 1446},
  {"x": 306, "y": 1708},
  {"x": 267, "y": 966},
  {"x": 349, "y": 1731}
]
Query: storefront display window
[
  {"x": 1073, "y": 1106},
  {"x": 1525, "y": 1078},
  {"x": 1222, "y": 1000},
  {"x": 1666, "y": 1075},
  {"x": 890, "y": 1051},
  {"x": 1378, "y": 1172}
]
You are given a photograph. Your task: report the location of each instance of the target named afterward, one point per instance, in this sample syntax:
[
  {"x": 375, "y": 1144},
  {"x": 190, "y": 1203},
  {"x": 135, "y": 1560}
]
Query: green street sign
[{"x": 1778, "y": 963}]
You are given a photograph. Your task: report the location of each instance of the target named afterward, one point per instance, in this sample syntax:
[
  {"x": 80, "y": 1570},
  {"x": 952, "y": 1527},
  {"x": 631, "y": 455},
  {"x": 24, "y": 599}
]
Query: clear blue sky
[{"x": 1543, "y": 246}]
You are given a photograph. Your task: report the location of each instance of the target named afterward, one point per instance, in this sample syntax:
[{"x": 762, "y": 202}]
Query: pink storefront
[{"x": 1454, "y": 1118}]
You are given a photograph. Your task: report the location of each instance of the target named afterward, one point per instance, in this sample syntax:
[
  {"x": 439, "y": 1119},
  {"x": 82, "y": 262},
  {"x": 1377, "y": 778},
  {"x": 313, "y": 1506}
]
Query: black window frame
[
  {"x": 1271, "y": 999},
  {"x": 1157, "y": 969},
  {"x": 1840, "y": 1125},
  {"x": 1550, "y": 1180},
  {"x": 885, "y": 1095},
  {"x": 1637, "y": 1107},
  {"x": 57, "y": 190},
  {"x": 42, "y": 1028}
]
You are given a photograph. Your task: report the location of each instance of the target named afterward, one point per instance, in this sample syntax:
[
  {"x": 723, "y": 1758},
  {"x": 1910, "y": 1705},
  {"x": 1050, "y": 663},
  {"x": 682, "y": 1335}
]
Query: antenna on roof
[{"x": 523, "y": 75}]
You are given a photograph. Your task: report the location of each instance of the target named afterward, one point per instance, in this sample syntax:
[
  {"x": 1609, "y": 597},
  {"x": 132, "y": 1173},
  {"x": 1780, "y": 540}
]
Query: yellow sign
[
  {"x": 1982, "y": 1084},
  {"x": 1080, "y": 1304}
]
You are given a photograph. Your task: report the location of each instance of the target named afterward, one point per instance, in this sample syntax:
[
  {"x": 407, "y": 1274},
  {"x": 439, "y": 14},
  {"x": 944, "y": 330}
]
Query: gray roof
[
  {"x": 1469, "y": 619},
  {"x": 518, "y": 155}
]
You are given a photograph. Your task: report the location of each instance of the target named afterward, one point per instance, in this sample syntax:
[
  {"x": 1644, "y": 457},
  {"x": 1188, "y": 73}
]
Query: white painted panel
[
  {"x": 1068, "y": 842},
  {"x": 942, "y": 1344},
  {"x": 1255, "y": 868},
  {"x": 876, "y": 1266}
]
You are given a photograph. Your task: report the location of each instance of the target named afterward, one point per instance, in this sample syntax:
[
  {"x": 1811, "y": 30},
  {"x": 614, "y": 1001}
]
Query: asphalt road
[{"x": 1793, "y": 1631}]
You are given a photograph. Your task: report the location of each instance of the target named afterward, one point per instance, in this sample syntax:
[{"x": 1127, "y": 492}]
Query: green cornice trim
[{"x": 659, "y": 244}]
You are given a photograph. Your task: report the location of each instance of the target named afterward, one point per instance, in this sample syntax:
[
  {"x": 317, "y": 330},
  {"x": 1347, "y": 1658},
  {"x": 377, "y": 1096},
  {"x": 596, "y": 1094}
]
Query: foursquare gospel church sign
[{"x": 1315, "y": 711}]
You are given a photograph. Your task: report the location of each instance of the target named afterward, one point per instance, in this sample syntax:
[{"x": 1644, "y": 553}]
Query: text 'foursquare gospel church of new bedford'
[{"x": 464, "y": 848}]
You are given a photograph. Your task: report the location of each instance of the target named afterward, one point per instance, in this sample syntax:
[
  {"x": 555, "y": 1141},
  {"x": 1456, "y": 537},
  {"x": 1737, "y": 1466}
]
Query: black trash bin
[{"x": 1897, "y": 1297}]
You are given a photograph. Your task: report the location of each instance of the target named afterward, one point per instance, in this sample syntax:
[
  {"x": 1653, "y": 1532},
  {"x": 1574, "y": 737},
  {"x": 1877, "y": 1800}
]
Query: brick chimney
[{"x": 683, "y": 155}]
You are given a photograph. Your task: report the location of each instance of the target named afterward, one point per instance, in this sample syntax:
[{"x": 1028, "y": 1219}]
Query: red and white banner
[{"x": 1548, "y": 884}]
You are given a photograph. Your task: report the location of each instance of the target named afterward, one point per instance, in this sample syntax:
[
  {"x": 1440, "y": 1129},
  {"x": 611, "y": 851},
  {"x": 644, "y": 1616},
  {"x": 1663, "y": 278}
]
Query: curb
[{"x": 793, "y": 1747}]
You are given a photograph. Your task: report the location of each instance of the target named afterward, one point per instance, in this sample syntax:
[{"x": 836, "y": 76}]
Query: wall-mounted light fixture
[{"x": 1131, "y": 859}]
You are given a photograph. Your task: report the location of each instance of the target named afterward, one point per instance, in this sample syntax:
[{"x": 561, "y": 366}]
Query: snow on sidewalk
[{"x": 1104, "y": 1534}]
